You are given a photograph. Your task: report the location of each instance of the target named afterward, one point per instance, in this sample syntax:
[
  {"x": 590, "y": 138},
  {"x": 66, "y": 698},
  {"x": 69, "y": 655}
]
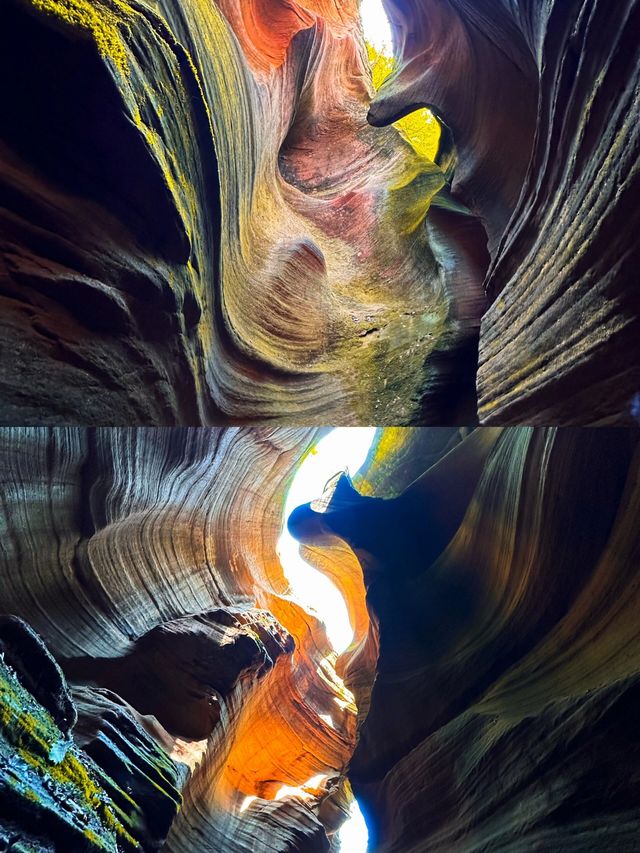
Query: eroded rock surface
[
  {"x": 175, "y": 690},
  {"x": 505, "y": 591},
  {"x": 541, "y": 101},
  {"x": 146, "y": 561},
  {"x": 202, "y": 227},
  {"x": 199, "y": 224},
  {"x": 111, "y": 789}
]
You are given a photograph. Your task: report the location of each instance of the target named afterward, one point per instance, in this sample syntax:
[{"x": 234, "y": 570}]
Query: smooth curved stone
[
  {"x": 541, "y": 103},
  {"x": 509, "y": 651},
  {"x": 181, "y": 671},
  {"x": 489, "y": 696},
  {"x": 208, "y": 218},
  {"x": 224, "y": 238},
  {"x": 147, "y": 561}
]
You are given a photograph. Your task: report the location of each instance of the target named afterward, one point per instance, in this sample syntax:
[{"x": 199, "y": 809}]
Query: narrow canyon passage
[
  {"x": 213, "y": 683},
  {"x": 319, "y": 211},
  {"x": 167, "y": 682},
  {"x": 319, "y": 426}
]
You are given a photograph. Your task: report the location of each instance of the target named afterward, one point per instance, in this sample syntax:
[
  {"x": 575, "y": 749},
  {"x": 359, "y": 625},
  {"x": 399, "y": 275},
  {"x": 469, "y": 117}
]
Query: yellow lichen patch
[
  {"x": 149, "y": 134},
  {"x": 390, "y": 442},
  {"x": 92, "y": 837},
  {"x": 34, "y": 737},
  {"x": 420, "y": 128},
  {"x": 382, "y": 66},
  {"x": 182, "y": 191},
  {"x": 102, "y": 23},
  {"x": 389, "y": 445},
  {"x": 411, "y": 195}
]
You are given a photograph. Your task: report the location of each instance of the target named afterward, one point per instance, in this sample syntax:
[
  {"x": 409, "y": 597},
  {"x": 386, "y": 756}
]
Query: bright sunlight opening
[
  {"x": 343, "y": 449},
  {"x": 420, "y": 128},
  {"x": 353, "y": 834},
  {"x": 305, "y": 792},
  {"x": 377, "y": 30}
]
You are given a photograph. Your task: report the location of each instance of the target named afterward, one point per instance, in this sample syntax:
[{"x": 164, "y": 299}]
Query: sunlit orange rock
[
  {"x": 152, "y": 556},
  {"x": 182, "y": 694}
]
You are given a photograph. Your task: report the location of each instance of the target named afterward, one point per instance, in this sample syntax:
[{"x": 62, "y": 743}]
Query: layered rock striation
[
  {"x": 541, "y": 105},
  {"x": 200, "y": 226},
  {"x": 170, "y": 693},
  {"x": 186, "y": 675},
  {"x": 74, "y": 775},
  {"x": 504, "y": 586}
]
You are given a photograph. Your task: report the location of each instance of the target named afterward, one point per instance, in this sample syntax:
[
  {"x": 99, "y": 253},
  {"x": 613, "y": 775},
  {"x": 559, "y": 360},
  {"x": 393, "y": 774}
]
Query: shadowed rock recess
[
  {"x": 160, "y": 689},
  {"x": 207, "y": 216}
]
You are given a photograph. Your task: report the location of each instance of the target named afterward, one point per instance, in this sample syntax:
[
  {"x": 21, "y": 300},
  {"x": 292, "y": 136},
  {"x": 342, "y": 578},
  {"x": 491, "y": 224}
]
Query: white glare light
[
  {"x": 377, "y": 30},
  {"x": 246, "y": 803},
  {"x": 328, "y": 719},
  {"x": 314, "y": 782},
  {"x": 305, "y": 791},
  {"x": 353, "y": 834},
  {"x": 342, "y": 449},
  {"x": 290, "y": 791}
]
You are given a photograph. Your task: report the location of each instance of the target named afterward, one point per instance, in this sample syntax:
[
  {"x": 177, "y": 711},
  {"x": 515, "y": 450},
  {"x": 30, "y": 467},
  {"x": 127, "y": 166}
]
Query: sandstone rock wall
[
  {"x": 504, "y": 586},
  {"x": 146, "y": 560}
]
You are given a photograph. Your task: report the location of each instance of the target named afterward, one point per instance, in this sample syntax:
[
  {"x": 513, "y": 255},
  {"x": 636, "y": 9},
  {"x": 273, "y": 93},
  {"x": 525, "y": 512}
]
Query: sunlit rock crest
[
  {"x": 174, "y": 693},
  {"x": 504, "y": 584},
  {"x": 146, "y": 561}
]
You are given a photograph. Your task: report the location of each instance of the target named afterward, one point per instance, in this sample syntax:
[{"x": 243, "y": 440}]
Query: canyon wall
[
  {"x": 200, "y": 225},
  {"x": 504, "y": 587},
  {"x": 170, "y": 692},
  {"x": 146, "y": 562},
  {"x": 542, "y": 103}
]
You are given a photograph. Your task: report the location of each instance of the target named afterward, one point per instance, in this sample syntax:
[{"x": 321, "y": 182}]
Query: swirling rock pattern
[
  {"x": 491, "y": 579},
  {"x": 202, "y": 227},
  {"x": 199, "y": 225},
  {"x": 504, "y": 584},
  {"x": 146, "y": 560},
  {"x": 542, "y": 103}
]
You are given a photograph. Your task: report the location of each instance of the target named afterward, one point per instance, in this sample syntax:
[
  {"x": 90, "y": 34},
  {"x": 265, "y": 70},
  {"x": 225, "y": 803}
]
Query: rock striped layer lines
[
  {"x": 170, "y": 693},
  {"x": 202, "y": 227},
  {"x": 146, "y": 563},
  {"x": 542, "y": 102},
  {"x": 504, "y": 586},
  {"x": 199, "y": 225}
]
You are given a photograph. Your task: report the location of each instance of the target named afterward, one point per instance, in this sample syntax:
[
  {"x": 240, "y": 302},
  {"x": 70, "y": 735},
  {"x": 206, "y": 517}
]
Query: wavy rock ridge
[
  {"x": 212, "y": 230},
  {"x": 146, "y": 560},
  {"x": 541, "y": 101},
  {"x": 504, "y": 587},
  {"x": 201, "y": 226},
  {"x": 176, "y": 696}
]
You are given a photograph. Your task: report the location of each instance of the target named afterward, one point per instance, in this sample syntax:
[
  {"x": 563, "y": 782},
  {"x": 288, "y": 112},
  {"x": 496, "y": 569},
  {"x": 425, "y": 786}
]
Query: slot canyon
[
  {"x": 221, "y": 212},
  {"x": 164, "y": 687}
]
